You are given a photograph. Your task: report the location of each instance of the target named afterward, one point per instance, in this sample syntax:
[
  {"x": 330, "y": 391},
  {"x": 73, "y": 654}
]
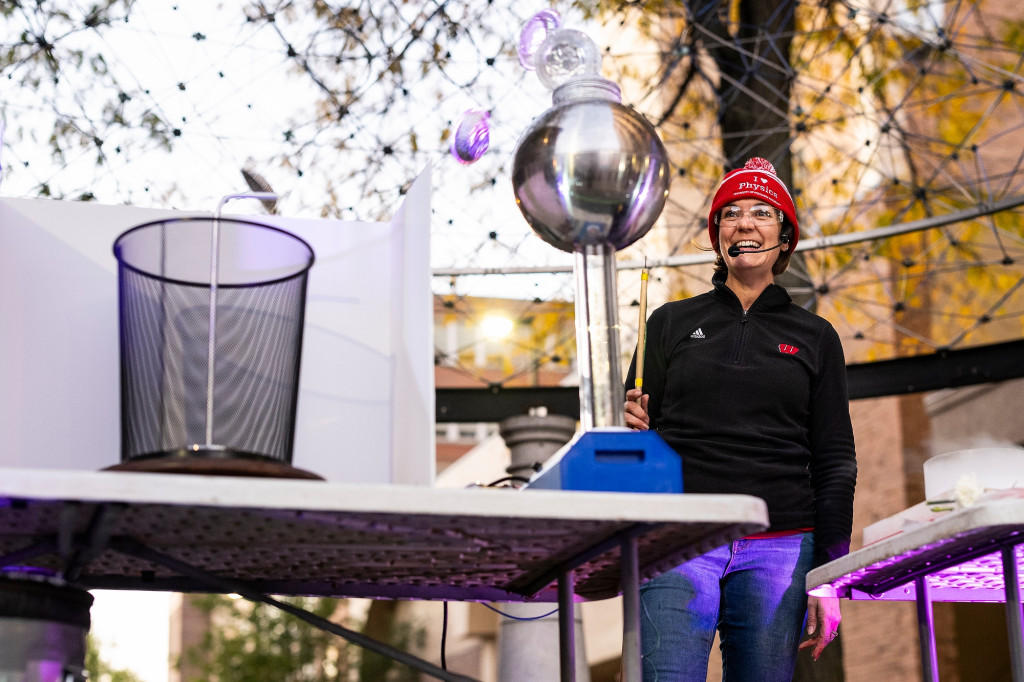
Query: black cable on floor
[{"x": 444, "y": 636}]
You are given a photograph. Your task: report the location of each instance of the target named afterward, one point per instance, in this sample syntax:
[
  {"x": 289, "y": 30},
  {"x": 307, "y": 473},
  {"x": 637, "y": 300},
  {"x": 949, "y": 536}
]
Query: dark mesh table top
[{"x": 150, "y": 531}]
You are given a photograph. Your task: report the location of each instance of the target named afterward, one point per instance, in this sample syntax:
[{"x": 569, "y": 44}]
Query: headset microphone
[{"x": 735, "y": 250}]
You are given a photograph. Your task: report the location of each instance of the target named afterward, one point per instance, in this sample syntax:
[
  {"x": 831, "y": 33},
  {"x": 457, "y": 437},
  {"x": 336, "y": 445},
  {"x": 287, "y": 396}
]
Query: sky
[
  {"x": 133, "y": 631},
  {"x": 232, "y": 93}
]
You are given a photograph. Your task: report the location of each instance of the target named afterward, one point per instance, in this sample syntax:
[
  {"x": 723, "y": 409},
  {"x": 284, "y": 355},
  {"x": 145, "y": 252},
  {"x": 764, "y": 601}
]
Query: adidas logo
[{"x": 699, "y": 334}]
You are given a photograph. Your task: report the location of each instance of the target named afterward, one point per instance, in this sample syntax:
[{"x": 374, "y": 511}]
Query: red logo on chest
[{"x": 788, "y": 349}]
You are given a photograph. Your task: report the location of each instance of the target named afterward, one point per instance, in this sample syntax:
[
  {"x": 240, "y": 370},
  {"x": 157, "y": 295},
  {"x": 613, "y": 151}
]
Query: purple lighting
[
  {"x": 533, "y": 34},
  {"x": 472, "y": 136},
  {"x": 27, "y": 570},
  {"x": 967, "y": 567}
]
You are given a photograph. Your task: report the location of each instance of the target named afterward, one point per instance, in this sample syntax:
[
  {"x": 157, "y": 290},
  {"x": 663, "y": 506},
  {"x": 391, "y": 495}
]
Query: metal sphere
[{"x": 590, "y": 171}]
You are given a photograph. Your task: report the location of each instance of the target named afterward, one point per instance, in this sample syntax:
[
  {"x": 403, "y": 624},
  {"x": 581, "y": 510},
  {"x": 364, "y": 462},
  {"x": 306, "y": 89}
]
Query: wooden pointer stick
[{"x": 641, "y": 335}]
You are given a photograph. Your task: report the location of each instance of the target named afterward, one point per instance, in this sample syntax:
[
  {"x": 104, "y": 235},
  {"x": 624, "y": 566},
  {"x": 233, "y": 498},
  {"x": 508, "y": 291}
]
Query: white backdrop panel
[{"x": 366, "y": 397}]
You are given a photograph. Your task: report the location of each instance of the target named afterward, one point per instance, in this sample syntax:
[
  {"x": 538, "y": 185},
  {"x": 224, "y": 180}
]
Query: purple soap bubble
[
  {"x": 534, "y": 31},
  {"x": 472, "y": 136}
]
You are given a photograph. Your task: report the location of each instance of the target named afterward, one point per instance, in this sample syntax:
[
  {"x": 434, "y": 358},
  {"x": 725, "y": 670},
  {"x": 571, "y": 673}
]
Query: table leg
[
  {"x": 631, "y": 657},
  {"x": 218, "y": 583},
  {"x": 1014, "y": 629},
  {"x": 926, "y": 630},
  {"x": 566, "y": 626}
]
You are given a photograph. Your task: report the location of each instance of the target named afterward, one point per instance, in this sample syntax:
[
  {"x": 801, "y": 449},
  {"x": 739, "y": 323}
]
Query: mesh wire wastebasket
[{"x": 211, "y": 317}]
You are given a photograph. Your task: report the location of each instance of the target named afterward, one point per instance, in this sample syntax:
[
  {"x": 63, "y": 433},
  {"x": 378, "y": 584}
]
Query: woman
[{"x": 750, "y": 390}]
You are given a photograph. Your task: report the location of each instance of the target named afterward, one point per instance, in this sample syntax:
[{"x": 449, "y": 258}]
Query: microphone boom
[{"x": 735, "y": 250}]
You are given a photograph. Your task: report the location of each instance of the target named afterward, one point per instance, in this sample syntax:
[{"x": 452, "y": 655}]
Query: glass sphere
[
  {"x": 590, "y": 171},
  {"x": 566, "y": 54},
  {"x": 472, "y": 136},
  {"x": 533, "y": 33}
]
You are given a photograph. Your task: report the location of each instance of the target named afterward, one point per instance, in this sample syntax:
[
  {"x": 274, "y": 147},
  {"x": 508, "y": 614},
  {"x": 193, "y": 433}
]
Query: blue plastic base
[{"x": 613, "y": 460}]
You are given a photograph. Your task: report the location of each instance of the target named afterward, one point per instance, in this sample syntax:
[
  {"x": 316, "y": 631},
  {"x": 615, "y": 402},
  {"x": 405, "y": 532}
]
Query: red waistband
[{"x": 777, "y": 533}]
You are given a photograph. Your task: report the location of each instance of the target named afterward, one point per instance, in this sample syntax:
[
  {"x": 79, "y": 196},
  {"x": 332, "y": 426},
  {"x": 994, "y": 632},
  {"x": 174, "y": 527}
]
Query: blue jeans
[{"x": 752, "y": 591}]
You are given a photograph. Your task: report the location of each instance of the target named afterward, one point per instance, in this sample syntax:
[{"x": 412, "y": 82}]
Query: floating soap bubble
[
  {"x": 565, "y": 54},
  {"x": 472, "y": 136},
  {"x": 534, "y": 31}
]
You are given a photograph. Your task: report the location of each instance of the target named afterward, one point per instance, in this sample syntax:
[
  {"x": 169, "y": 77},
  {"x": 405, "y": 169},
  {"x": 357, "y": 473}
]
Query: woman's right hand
[{"x": 636, "y": 412}]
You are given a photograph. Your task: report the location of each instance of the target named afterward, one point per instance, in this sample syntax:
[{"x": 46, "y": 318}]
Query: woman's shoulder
[
  {"x": 812, "y": 321},
  {"x": 802, "y": 313},
  {"x": 683, "y": 305},
  {"x": 671, "y": 317}
]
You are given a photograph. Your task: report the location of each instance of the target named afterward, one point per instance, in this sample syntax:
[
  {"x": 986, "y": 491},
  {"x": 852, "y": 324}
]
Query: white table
[
  {"x": 962, "y": 556},
  {"x": 256, "y": 537}
]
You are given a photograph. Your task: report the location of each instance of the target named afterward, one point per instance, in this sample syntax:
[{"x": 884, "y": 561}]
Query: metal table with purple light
[
  {"x": 260, "y": 536},
  {"x": 971, "y": 554}
]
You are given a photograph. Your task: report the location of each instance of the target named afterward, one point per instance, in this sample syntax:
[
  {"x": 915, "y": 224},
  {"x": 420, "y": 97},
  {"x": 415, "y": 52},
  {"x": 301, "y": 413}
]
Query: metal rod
[
  {"x": 1014, "y": 628},
  {"x": 214, "y": 275},
  {"x": 212, "y": 335},
  {"x": 67, "y": 526},
  {"x": 926, "y": 630},
  {"x": 987, "y": 208},
  {"x": 576, "y": 560},
  {"x": 584, "y": 350},
  {"x": 632, "y": 664},
  {"x": 13, "y": 560},
  {"x": 566, "y": 626},
  {"x": 97, "y": 536},
  {"x": 231, "y": 586}
]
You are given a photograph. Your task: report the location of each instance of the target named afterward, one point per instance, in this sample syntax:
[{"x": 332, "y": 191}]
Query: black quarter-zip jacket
[{"x": 755, "y": 402}]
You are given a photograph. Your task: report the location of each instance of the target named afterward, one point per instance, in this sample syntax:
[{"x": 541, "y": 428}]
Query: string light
[{"x": 322, "y": 143}]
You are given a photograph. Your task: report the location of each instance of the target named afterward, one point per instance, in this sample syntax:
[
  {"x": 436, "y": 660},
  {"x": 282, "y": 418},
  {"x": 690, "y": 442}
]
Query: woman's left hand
[{"x": 823, "y": 618}]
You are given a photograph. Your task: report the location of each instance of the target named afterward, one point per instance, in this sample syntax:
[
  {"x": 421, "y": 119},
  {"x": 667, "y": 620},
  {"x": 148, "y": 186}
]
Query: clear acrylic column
[
  {"x": 591, "y": 177},
  {"x": 597, "y": 337}
]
